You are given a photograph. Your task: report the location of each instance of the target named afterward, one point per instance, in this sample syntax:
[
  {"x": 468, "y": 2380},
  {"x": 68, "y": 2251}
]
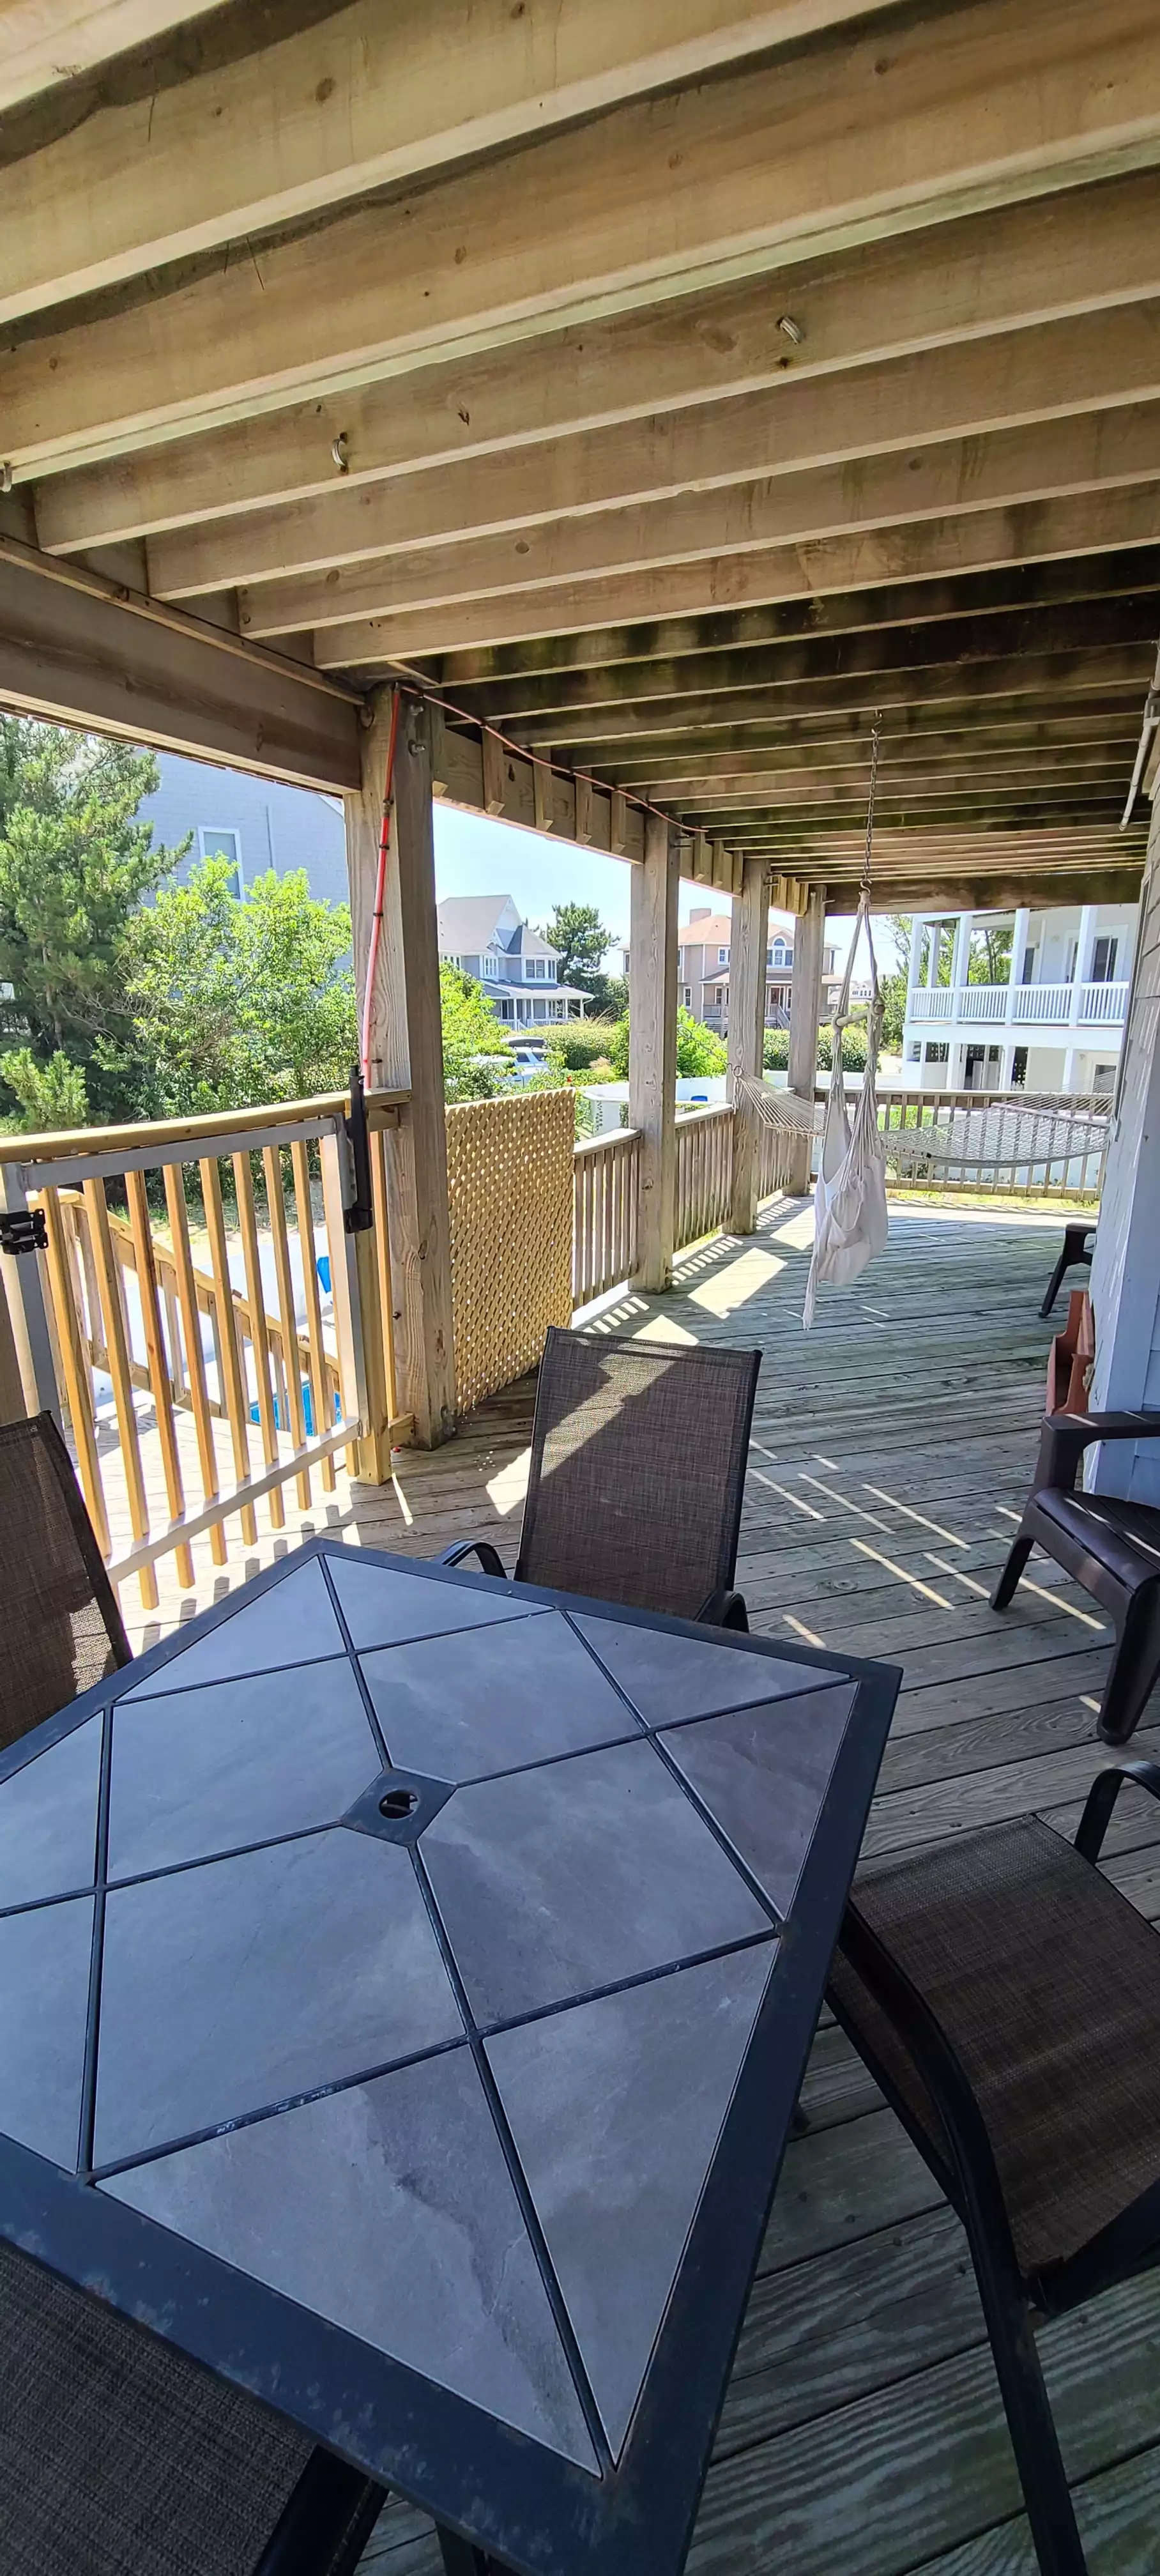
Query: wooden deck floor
[{"x": 862, "y": 2434}]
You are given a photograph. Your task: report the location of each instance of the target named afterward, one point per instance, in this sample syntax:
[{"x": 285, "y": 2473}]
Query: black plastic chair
[
  {"x": 1111, "y": 1547},
  {"x": 1075, "y": 1253},
  {"x": 64, "y": 1630},
  {"x": 1007, "y": 1999},
  {"x": 639, "y": 1452},
  {"x": 120, "y": 2458}
]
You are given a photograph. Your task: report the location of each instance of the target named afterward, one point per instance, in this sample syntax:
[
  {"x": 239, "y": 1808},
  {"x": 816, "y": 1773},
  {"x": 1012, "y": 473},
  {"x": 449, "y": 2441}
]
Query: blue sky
[{"x": 477, "y": 854}]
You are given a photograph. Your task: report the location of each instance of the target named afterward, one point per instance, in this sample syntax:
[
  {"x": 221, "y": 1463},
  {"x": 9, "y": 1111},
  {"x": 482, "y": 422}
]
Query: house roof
[{"x": 468, "y": 923}]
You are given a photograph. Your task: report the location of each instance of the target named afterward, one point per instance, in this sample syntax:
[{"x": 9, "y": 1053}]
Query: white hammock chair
[{"x": 850, "y": 1219}]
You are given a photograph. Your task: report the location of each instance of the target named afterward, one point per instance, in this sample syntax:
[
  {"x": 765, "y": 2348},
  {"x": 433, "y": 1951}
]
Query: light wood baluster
[
  {"x": 160, "y": 1384},
  {"x": 259, "y": 1335},
  {"x": 76, "y": 1368},
  {"x": 291, "y": 1373},
  {"x": 229, "y": 1355},
  {"x": 318, "y": 1375},
  {"x": 194, "y": 1356},
  {"x": 116, "y": 1344}
]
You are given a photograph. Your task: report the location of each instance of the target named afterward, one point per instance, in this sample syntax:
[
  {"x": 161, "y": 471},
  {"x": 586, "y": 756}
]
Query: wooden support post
[
  {"x": 652, "y": 1047},
  {"x": 406, "y": 1052},
  {"x": 805, "y": 1007},
  {"x": 1124, "y": 1266},
  {"x": 748, "y": 944}
]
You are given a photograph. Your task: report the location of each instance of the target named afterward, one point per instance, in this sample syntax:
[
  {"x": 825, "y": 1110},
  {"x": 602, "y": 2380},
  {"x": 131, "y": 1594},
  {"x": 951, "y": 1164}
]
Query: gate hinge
[{"x": 23, "y": 1230}]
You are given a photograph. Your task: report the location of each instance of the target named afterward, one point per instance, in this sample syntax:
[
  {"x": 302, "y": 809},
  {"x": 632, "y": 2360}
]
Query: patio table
[{"x": 406, "y": 1982}]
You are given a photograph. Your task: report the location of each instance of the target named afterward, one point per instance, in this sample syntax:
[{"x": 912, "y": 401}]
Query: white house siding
[
  {"x": 1125, "y": 1283},
  {"x": 277, "y": 827}
]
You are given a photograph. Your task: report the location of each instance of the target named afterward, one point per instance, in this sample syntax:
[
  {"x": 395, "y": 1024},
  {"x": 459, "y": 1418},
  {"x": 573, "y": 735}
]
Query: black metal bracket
[
  {"x": 23, "y": 1230},
  {"x": 359, "y": 1217}
]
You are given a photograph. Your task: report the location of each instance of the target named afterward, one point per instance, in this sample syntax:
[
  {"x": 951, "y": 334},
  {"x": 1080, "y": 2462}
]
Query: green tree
[
  {"x": 477, "y": 1056},
  {"x": 699, "y": 1049},
  {"x": 893, "y": 983},
  {"x": 577, "y": 930},
  {"x": 990, "y": 958},
  {"x": 75, "y": 865},
  {"x": 236, "y": 1002},
  {"x": 48, "y": 1096}
]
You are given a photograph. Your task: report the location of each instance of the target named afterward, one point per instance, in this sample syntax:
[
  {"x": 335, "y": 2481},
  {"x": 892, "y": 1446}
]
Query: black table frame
[{"x": 506, "y": 2495}]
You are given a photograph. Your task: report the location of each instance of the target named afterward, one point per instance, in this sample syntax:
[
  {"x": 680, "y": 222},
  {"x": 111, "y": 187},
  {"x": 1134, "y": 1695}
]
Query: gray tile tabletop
[{"x": 396, "y": 1944}]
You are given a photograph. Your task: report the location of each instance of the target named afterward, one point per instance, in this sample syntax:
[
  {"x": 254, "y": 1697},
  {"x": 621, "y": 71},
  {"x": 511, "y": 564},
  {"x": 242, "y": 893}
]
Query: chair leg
[
  {"x": 1134, "y": 1666},
  {"x": 1004, "y": 1591},
  {"x": 460, "y": 2557},
  {"x": 1034, "y": 2439},
  {"x": 1053, "y": 1283}
]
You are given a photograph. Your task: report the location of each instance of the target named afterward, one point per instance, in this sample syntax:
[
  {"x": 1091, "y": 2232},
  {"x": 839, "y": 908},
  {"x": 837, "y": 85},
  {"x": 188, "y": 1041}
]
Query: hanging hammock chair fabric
[{"x": 850, "y": 1219}]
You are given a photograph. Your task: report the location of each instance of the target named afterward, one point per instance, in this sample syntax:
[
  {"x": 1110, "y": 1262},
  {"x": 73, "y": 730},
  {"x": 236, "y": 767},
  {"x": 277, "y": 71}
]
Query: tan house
[{"x": 703, "y": 968}]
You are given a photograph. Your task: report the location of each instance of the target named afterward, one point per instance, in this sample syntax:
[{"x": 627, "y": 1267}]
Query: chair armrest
[
  {"x": 725, "y": 1609},
  {"x": 1101, "y": 1799},
  {"x": 1065, "y": 1436},
  {"x": 489, "y": 1556}
]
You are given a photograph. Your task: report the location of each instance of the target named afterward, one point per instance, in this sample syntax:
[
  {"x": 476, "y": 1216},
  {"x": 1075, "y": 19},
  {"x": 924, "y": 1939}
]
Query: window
[
  {"x": 1028, "y": 975},
  {"x": 1104, "y": 961},
  {"x": 937, "y": 1051},
  {"x": 914, "y": 1051},
  {"x": 490, "y": 963},
  {"x": 687, "y": 996},
  {"x": 550, "y": 969},
  {"x": 718, "y": 996},
  {"x": 1069, "y": 961},
  {"x": 1019, "y": 1069},
  {"x": 722, "y": 956},
  {"x": 222, "y": 844},
  {"x": 779, "y": 954}
]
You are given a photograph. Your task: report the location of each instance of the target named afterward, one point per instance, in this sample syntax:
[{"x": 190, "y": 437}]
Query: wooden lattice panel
[{"x": 509, "y": 1172}]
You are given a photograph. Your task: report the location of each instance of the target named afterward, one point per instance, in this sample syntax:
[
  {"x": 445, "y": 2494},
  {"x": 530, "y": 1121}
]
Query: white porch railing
[{"x": 1059, "y": 1006}]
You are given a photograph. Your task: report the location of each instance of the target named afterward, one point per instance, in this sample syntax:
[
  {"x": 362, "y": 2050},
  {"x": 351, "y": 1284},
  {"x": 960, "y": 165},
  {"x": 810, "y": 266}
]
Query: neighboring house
[
  {"x": 488, "y": 937},
  {"x": 255, "y": 823},
  {"x": 703, "y": 969},
  {"x": 1056, "y": 1023}
]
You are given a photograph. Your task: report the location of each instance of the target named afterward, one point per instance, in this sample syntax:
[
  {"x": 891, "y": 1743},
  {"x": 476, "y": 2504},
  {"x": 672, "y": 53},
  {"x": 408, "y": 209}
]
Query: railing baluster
[
  {"x": 190, "y": 1313},
  {"x": 159, "y": 1379},
  {"x": 295, "y": 1419},
  {"x": 226, "y": 1336},
  {"x": 109, "y": 1293},
  {"x": 319, "y": 1373},
  {"x": 259, "y": 1335},
  {"x": 76, "y": 1368}
]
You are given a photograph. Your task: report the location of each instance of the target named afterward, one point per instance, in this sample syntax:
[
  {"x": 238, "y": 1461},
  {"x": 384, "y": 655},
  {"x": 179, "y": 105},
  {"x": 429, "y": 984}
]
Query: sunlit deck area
[{"x": 892, "y": 1449}]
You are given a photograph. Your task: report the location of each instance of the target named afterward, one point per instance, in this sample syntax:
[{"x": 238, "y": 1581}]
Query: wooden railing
[
  {"x": 604, "y": 1226},
  {"x": 704, "y": 1173},
  {"x": 204, "y": 1335}
]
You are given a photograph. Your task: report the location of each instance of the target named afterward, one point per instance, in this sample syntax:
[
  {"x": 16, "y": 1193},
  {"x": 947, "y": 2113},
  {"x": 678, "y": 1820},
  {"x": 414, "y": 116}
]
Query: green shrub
[{"x": 776, "y": 1052}]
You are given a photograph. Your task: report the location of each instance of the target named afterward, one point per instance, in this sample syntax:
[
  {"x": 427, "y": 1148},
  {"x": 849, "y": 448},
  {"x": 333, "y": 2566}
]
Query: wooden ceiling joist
[
  {"x": 844, "y": 141},
  {"x": 671, "y": 387},
  {"x": 1017, "y": 267},
  {"x": 1090, "y": 363}
]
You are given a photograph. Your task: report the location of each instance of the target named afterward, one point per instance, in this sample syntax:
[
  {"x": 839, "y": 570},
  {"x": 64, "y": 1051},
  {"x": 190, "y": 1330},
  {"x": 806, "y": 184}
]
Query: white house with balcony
[
  {"x": 1053, "y": 1022},
  {"x": 488, "y": 937}
]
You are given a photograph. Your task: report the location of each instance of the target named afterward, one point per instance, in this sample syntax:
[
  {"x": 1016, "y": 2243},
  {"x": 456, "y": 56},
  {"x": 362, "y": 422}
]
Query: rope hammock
[{"x": 850, "y": 1220}]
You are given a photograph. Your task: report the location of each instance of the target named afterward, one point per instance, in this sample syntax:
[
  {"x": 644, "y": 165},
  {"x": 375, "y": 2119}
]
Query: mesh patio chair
[
  {"x": 1111, "y": 1547},
  {"x": 120, "y": 2458},
  {"x": 1007, "y": 1999},
  {"x": 637, "y": 1476},
  {"x": 64, "y": 1628}
]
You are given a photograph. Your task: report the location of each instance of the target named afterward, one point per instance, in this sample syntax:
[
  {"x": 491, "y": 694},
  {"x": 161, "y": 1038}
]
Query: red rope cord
[{"x": 376, "y": 931}]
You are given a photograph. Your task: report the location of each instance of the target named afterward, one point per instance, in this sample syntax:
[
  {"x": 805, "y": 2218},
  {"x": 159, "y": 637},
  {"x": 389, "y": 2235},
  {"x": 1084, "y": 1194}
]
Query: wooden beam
[
  {"x": 893, "y": 493},
  {"x": 575, "y": 620},
  {"x": 407, "y": 1053},
  {"x": 1042, "y": 888},
  {"x": 652, "y": 1048},
  {"x": 999, "y": 592},
  {"x": 536, "y": 797},
  {"x": 798, "y": 160},
  {"x": 1091, "y": 362},
  {"x": 805, "y": 1006},
  {"x": 362, "y": 100},
  {"x": 749, "y": 942},
  {"x": 1050, "y": 677},
  {"x": 1093, "y": 739},
  {"x": 1013, "y": 268},
  {"x": 1054, "y": 627},
  {"x": 636, "y": 764},
  {"x": 42, "y": 46},
  {"x": 78, "y": 650}
]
